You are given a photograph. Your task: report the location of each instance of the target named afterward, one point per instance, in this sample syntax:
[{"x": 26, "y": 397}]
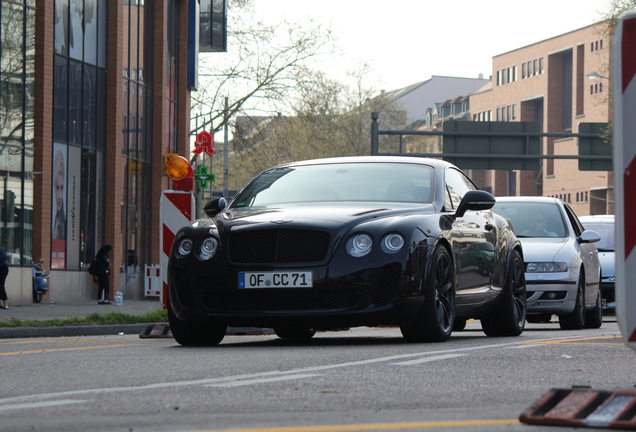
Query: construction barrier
[{"x": 152, "y": 281}]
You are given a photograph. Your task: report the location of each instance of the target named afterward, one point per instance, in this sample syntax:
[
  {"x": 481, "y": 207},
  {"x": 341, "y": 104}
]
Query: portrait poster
[
  {"x": 59, "y": 207},
  {"x": 74, "y": 201}
]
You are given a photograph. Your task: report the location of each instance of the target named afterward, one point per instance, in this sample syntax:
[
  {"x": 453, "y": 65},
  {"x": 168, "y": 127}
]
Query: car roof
[
  {"x": 436, "y": 163},
  {"x": 598, "y": 218}
]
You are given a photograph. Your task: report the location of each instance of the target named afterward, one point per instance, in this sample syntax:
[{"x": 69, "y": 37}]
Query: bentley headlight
[
  {"x": 392, "y": 243},
  {"x": 546, "y": 267},
  {"x": 359, "y": 245},
  {"x": 208, "y": 248},
  {"x": 185, "y": 247}
]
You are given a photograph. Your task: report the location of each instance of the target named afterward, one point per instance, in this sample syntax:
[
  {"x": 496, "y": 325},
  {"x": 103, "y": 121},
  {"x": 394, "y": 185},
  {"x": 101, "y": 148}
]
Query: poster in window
[{"x": 59, "y": 220}]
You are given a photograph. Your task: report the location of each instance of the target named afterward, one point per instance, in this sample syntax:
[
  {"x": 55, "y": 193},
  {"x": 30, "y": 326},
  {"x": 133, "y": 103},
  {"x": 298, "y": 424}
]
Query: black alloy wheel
[
  {"x": 575, "y": 320},
  {"x": 434, "y": 322},
  {"x": 509, "y": 318},
  {"x": 195, "y": 333}
]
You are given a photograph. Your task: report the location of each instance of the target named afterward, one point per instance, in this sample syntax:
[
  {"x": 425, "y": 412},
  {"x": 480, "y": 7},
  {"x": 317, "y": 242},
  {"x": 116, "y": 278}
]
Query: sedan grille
[{"x": 278, "y": 246}]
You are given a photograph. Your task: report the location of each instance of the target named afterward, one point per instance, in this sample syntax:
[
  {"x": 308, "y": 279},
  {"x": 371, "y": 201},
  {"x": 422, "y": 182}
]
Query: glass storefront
[{"x": 17, "y": 50}]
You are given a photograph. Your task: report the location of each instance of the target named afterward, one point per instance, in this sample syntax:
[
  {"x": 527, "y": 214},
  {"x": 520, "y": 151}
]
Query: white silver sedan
[{"x": 562, "y": 268}]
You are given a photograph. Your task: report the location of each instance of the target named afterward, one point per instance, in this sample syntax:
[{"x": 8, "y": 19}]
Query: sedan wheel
[
  {"x": 509, "y": 318},
  {"x": 434, "y": 323},
  {"x": 594, "y": 317},
  {"x": 195, "y": 333},
  {"x": 294, "y": 333},
  {"x": 575, "y": 320}
]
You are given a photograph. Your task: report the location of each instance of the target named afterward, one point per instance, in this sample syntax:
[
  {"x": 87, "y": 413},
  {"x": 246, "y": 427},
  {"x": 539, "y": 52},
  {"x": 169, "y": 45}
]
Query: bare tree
[{"x": 264, "y": 65}]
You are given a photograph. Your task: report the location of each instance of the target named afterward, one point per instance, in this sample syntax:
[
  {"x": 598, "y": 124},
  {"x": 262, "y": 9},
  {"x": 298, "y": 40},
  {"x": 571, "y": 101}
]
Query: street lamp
[{"x": 594, "y": 75}]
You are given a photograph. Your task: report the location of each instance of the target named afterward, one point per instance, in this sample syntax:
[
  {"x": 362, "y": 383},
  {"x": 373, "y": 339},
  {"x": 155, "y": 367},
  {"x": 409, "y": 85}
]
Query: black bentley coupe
[{"x": 344, "y": 242}]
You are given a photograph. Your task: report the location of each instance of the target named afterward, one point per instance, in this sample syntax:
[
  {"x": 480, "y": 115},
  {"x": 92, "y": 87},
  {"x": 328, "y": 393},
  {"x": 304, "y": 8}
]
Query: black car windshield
[
  {"x": 532, "y": 219},
  {"x": 373, "y": 181},
  {"x": 606, "y": 231}
]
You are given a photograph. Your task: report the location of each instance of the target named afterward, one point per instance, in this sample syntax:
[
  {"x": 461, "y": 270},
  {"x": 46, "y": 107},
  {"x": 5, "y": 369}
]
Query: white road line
[
  {"x": 44, "y": 404},
  {"x": 238, "y": 383},
  {"x": 429, "y": 359}
]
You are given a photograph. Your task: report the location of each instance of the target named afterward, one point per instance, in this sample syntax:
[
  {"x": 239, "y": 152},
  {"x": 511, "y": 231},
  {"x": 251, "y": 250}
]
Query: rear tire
[
  {"x": 195, "y": 333},
  {"x": 509, "y": 318},
  {"x": 575, "y": 320},
  {"x": 294, "y": 333},
  {"x": 434, "y": 322}
]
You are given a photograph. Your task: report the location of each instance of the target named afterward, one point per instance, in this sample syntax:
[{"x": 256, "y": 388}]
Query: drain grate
[{"x": 584, "y": 407}]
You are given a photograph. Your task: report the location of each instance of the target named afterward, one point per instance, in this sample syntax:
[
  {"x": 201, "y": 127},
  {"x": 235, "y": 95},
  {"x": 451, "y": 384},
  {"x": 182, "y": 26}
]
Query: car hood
[
  {"x": 325, "y": 216},
  {"x": 542, "y": 249}
]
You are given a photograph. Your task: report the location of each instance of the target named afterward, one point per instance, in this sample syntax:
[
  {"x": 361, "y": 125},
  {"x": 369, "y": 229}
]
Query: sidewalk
[{"x": 63, "y": 310}]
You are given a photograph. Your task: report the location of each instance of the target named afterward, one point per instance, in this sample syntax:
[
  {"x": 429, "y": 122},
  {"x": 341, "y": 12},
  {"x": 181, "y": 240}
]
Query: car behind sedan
[
  {"x": 604, "y": 225},
  {"x": 344, "y": 242},
  {"x": 562, "y": 268}
]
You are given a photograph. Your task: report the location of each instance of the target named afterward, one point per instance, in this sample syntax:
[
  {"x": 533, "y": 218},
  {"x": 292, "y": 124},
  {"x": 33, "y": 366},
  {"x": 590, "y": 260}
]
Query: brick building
[
  {"x": 548, "y": 82},
  {"x": 94, "y": 94}
]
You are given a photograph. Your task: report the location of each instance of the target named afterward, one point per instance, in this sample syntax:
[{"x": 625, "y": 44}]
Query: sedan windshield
[
  {"x": 533, "y": 219},
  {"x": 397, "y": 182}
]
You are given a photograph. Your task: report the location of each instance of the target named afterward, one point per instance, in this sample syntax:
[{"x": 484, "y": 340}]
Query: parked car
[
  {"x": 563, "y": 272},
  {"x": 345, "y": 242},
  {"x": 604, "y": 225}
]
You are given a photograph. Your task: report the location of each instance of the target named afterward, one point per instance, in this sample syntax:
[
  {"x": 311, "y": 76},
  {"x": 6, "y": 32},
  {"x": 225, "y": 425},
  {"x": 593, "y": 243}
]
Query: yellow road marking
[
  {"x": 56, "y": 341},
  {"x": 62, "y": 349},
  {"x": 376, "y": 426},
  {"x": 574, "y": 341}
]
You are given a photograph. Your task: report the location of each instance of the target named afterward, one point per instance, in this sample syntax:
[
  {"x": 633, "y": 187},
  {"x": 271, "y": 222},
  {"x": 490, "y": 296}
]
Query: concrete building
[
  {"x": 548, "y": 82},
  {"x": 94, "y": 95}
]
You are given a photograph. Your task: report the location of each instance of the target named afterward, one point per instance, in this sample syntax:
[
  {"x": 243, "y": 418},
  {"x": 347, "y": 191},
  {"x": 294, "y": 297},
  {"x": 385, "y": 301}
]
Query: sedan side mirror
[
  {"x": 475, "y": 200},
  {"x": 214, "y": 207},
  {"x": 589, "y": 236}
]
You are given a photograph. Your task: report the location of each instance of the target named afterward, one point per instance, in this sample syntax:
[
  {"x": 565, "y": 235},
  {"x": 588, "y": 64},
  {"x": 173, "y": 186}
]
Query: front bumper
[{"x": 550, "y": 293}]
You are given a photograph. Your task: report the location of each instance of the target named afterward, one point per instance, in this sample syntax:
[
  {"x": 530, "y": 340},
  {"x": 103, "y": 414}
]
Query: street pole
[{"x": 225, "y": 150}]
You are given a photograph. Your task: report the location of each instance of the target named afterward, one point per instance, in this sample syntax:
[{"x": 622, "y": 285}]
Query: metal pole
[
  {"x": 374, "y": 133},
  {"x": 225, "y": 149}
]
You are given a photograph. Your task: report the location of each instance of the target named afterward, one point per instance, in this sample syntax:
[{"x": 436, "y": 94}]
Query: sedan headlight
[
  {"x": 185, "y": 247},
  {"x": 208, "y": 248},
  {"x": 392, "y": 243},
  {"x": 546, "y": 267},
  {"x": 359, "y": 245}
]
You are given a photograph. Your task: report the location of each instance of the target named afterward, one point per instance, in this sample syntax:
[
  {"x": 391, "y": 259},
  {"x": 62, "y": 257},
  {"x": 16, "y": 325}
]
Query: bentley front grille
[{"x": 278, "y": 246}]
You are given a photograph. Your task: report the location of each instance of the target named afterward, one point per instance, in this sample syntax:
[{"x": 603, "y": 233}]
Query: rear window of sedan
[{"x": 411, "y": 183}]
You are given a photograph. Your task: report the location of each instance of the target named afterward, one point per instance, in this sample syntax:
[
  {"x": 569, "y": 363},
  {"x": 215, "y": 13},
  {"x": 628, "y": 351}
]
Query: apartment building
[{"x": 549, "y": 82}]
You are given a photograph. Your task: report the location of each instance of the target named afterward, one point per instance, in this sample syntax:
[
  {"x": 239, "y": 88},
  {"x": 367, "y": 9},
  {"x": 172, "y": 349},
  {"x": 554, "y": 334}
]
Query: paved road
[{"x": 363, "y": 379}]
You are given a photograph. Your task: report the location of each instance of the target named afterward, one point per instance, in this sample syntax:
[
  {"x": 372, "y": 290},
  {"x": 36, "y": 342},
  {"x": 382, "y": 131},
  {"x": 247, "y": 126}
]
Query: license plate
[{"x": 295, "y": 279}]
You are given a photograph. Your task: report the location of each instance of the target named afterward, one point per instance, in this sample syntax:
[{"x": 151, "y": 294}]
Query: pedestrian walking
[
  {"x": 4, "y": 272},
  {"x": 100, "y": 267}
]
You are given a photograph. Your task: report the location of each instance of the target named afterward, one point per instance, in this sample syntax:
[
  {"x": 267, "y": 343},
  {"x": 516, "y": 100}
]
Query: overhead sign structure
[
  {"x": 478, "y": 142},
  {"x": 624, "y": 104},
  {"x": 598, "y": 144}
]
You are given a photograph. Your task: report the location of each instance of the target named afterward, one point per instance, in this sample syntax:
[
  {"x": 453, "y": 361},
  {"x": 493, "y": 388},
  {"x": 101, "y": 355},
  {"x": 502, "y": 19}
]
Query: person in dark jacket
[
  {"x": 4, "y": 272},
  {"x": 102, "y": 271}
]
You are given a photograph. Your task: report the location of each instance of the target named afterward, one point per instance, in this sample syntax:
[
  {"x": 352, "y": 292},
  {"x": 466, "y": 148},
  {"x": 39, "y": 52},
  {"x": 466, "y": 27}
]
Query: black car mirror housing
[
  {"x": 215, "y": 206},
  {"x": 475, "y": 200}
]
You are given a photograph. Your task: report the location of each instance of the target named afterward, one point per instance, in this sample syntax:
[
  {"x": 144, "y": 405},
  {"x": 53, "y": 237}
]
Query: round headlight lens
[
  {"x": 392, "y": 243},
  {"x": 185, "y": 247},
  {"x": 359, "y": 245},
  {"x": 208, "y": 248}
]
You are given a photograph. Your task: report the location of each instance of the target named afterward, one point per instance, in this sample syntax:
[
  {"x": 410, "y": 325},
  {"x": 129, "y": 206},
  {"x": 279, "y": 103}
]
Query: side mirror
[
  {"x": 475, "y": 200},
  {"x": 589, "y": 236},
  {"x": 214, "y": 207}
]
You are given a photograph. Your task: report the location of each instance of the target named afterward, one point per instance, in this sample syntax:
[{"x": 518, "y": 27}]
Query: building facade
[
  {"x": 94, "y": 95},
  {"x": 547, "y": 82}
]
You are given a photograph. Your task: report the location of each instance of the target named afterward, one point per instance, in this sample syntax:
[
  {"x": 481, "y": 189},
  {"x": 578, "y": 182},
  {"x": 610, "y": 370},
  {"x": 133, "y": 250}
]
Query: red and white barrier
[
  {"x": 177, "y": 209},
  {"x": 624, "y": 93}
]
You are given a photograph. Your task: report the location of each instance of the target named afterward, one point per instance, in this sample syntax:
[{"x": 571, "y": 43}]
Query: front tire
[
  {"x": 434, "y": 322},
  {"x": 195, "y": 333},
  {"x": 509, "y": 318},
  {"x": 575, "y": 320},
  {"x": 594, "y": 317}
]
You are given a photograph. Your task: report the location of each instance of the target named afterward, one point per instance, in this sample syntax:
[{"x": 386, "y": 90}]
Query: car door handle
[{"x": 489, "y": 227}]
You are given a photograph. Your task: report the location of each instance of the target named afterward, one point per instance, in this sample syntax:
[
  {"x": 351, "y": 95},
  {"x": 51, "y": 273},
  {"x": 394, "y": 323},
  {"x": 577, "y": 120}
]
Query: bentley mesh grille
[
  {"x": 276, "y": 246},
  {"x": 386, "y": 285}
]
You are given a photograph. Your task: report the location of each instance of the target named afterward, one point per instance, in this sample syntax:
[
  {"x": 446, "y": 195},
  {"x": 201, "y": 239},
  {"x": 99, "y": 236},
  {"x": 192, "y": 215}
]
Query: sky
[{"x": 408, "y": 41}]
